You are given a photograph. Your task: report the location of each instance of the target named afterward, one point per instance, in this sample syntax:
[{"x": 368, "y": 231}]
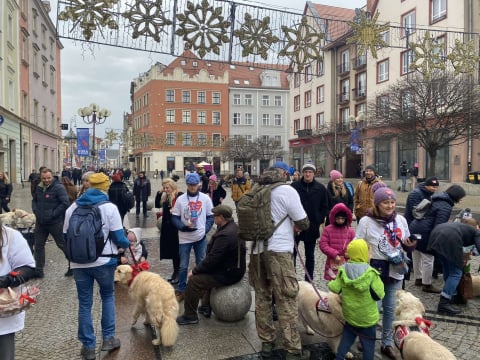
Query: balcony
[
  {"x": 343, "y": 69},
  {"x": 359, "y": 62},
  {"x": 343, "y": 98},
  {"x": 304, "y": 133},
  {"x": 343, "y": 127},
  {"x": 359, "y": 94}
]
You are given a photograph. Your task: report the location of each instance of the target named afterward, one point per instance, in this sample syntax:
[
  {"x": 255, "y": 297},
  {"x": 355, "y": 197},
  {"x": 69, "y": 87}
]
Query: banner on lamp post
[
  {"x": 354, "y": 140},
  {"x": 102, "y": 155},
  {"x": 83, "y": 147}
]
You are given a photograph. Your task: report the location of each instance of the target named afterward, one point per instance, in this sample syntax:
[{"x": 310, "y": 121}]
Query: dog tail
[{"x": 169, "y": 331}]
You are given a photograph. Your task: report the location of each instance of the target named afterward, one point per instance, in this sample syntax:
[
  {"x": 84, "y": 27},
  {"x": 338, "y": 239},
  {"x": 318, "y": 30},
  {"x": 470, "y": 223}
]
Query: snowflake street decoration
[
  {"x": 203, "y": 28},
  {"x": 428, "y": 55},
  {"x": 255, "y": 36},
  {"x": 367, "y": 34},
  {"x": 463, "y": 57},
  {"x": 90, "y": 14},
  {"x": 303, "y": 44},
  {"x": 147, "y": 18}
]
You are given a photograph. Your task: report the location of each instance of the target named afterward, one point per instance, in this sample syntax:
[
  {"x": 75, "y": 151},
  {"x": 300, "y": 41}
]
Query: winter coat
[
  {"x": 5, "y": 190},
  {"x": 414, "y": 198},
  {"x": 216, "y": 194},
  {"x": 439, "y": 213},
  {"x": 335, "y": 239},
  {"x": 221, "y": 259},
  {"x": 449, "y": 239},
  {"x": 347, "y": 199},
  {"x": 240, "y": 186},
  {"x": 116, "y": 195},
  {"x": 168, "y": 232},
  {"x": 363, "y": 198},
  {"x": 314, "y": 198},
  {"x": 360, "y": 286},
  {"x": 142, "y": 189},
  {"x": 50, "y": 203}
]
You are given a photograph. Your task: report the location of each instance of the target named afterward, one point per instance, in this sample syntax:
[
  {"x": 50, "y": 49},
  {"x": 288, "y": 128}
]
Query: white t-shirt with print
[{"x": 194, "y": 209}]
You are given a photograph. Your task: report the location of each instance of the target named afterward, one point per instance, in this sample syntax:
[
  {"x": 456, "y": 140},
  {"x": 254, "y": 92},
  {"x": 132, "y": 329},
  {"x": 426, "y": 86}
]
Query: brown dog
[{"x": 155, "y": 298}]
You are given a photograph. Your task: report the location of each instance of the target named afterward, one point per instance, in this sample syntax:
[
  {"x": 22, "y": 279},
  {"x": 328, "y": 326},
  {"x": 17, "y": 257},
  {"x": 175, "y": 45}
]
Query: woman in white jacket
[{"x": 15, "y": 255}]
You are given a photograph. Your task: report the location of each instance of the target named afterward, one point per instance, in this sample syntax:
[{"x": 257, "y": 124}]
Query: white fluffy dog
[
  {"x": 329, "y": 325},
  {"x": 155, "y": 298},
  {"x": 414, "y": 344}
]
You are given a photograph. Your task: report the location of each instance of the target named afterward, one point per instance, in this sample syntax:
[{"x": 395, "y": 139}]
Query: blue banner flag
[
  {"x": 83, "y": 147},
  {"x": 102, "y": 155},
  {"x": 354, "y": 139}
]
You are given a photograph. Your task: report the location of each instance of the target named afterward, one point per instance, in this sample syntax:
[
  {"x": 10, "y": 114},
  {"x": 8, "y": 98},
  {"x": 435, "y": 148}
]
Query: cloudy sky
[{"x": 104, "y": 75}]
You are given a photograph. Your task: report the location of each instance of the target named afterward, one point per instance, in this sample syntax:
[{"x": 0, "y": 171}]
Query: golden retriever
[
  {"x": 328, "y": 325},
  {"x": 155, "y": 298},
  {"x": 417, "y": 345}
]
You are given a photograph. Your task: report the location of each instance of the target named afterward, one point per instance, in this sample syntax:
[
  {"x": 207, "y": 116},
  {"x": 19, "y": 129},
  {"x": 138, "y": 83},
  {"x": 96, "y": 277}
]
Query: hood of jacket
[
  {"x": 138, "y": 234},
  {"x": 91, "y": 197},
  {"x": 356, "y": 275},
  {"x": 442, "y": 196},
  {"x": 340, "y": 207}
]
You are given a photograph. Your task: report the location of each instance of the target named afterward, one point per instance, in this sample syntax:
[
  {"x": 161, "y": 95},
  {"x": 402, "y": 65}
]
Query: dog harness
[{"x": 401, "y": 331}]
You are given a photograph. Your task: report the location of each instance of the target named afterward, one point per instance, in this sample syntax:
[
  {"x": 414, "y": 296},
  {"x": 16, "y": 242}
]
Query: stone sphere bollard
[
  {"x": 149, "y": 204},
  {"x": 231, "y": 303}
]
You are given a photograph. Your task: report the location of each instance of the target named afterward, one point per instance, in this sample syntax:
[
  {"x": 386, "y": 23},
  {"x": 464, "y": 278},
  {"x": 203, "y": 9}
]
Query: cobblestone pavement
[{"x": 51, "y": 325}]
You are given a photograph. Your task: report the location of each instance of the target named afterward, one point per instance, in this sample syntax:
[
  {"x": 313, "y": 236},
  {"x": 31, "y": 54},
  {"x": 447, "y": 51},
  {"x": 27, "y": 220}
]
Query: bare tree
[
  {"x": 440, "y": 110},
  {"x": 267, "y": 148},
  {"x": 243, "y": 150}
]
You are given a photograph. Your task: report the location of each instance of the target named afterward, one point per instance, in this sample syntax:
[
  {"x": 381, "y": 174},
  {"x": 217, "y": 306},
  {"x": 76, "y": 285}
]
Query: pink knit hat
[
  {"x": 213, "y": 177},
  {"x": 335, "y": 174}
]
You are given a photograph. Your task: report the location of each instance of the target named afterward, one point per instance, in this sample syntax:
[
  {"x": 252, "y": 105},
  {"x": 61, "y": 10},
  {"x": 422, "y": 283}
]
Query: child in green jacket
[{"x": 361, "y": 287}]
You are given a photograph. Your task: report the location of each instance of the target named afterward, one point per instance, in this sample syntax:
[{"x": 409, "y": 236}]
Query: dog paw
[{"x": 156, "y": 342}]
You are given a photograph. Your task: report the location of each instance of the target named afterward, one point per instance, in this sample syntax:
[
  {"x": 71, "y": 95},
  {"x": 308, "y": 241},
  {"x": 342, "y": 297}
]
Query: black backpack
[{"x": 85, "y": 241}]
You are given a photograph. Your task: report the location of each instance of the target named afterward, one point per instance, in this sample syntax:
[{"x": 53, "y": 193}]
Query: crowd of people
[{"x": 379, "y": 252}]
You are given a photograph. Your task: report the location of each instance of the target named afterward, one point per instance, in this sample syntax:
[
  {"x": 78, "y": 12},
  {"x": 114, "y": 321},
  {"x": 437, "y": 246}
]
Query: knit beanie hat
[
  {"x": 371, "y": 167},
  {"x": 309, "y": 166},
  {"x": 382, "y": 194},
  {"x": 99, "y": 181},
  {"x": 192, "y": 179},
  {"x": 357, "y": 251},
  {"x": 377, "y": 186},
  {"x": 213, "y": 178},
  {"x": 335, "y": 174}
]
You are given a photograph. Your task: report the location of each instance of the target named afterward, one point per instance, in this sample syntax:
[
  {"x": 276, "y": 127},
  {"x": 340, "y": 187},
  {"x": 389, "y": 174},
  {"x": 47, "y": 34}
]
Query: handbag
[
  {"x": 382, "y": 266},
  {"x": 465, "y": 286}
]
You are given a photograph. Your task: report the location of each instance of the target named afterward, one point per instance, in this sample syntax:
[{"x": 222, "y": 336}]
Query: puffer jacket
[
  {"x": 439, "y": 213},
  {"x": 240, "y": 186},
  {"x": 335, "y": 239},
  {"x": 363, "y": 198},
  {"x": 50, "y": 203},
  {"x": 414, "y": 198}
]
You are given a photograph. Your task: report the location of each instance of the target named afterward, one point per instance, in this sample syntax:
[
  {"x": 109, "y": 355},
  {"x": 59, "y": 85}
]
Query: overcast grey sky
[{"x": 104, "y": 76}]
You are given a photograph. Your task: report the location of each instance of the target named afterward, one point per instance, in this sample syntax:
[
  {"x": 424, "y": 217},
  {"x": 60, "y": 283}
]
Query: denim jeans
[
  {"x": 451, "y": 276},
  {"x": 199, "y": 247},
  {"x": 388, "y": 304},
  {"x": 366, "y": 336},
  {"x": 7, "y": 344},
  {"x": 84, "y": 280},
  {"x": 404, "y": 182}
]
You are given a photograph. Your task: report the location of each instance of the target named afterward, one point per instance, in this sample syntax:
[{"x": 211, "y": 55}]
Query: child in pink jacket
[{"x": 335, "y": 239}]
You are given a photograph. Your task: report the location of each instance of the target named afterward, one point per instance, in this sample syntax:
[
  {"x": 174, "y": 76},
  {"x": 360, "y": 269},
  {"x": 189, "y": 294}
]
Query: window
[
  {"x": 201, "y": 97},
  {"x": 170, "y": 96},
  {"x": 296, "y": 125},
  {"x": 308, "y": 73},
  {"x": 296, "y": 80},
  {"x": 25, "y": 105},
  {"x": 170, "y": 138},
  {"x": 24, "y": 49},
  {"x": 439, "y": 9},
  {"x": 320, "y": 94},
  {"x": 278, "y": 119},
  {"x": 278, "y": 139},
  {"x": 345, "y": 90},
  {"x": 386, "y": 37},
  {"x": 320, "y": 120},
  {"x": 202, "y": 139},
  {"x": 382, "y": 71},
  {"x": 308, "y": 98},
  {"x": 382, "y": 105},
  {"x": 361, "y": 84},
  {"x": 236, "y": 99},
  {"x": 344, "y": 114},
  {"x": 186, "y": 96},
  {"x": 265, "y": 100},
  {"x": 187, "y": 139},
  {"x": 266, "y": 120},
  {"x": 216, "y": 140},
  {"x": 35, "y": 112},
  {"x": 186, "y": 117},
  {"x": 35, "y": 63},
  {"x": 248, "y": 119},
  {"x": 215, "y": 117},
  {"x": 248, "y": 99},
  {"x": 307, "y": 122},
  {"x": 278, "y": 101},
  {"x": 170, "y": 116},
  {"x": 320, "y": 69},
  {"x": 407, "y": 58},
  {"x": 408, "y": 22},
  {"x": 216, "y": 98},
  {"x": 11, "y": 95},
  {"x": 10, "y": 29},
  {"x": 345, "y": 61},
  {"x": 439, "y": 48},
  {"x": 296, "y": 103},
  {"x": 201, "y": 117},
  {"x": 236, "y": 118}
]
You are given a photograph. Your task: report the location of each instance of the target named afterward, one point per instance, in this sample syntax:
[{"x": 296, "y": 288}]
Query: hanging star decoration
[
  {"x": 89, "y": 15},
  {"x": 427, "y": 55},
  {"x": 255, "y": 36},
  {"x": 303, "y": 44},
  {"x": 203, "y": 28},
  {"x": 367, "y": 34},
  {"x": 463, "y": 57},
  {"x": 147, "y": 19}
]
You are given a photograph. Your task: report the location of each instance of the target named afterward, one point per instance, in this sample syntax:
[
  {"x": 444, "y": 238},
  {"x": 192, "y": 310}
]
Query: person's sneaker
[
  {"x": 88, "y": 354},
  {"x": 267, "y": 350},
  {"x": 418, "y": 282},
  {"x": 303, "y": 355},
  {"x": 69, "y": 272},
  {"x": 205, "y": 310},
  {"x": 110, "y": 344},
  {"x": 431, "y": 289},
  {"x": 184, "y": 320},
  {"x": 180, "y": 295}
]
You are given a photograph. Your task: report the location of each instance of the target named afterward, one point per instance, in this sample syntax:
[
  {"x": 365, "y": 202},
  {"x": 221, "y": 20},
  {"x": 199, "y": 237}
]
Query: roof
[
  {"x": 244, "y": 76},
  {"x": 336, "y": 28}
]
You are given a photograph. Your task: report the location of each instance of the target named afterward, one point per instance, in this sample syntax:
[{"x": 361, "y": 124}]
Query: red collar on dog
[
  {"x": 141, "y": 266},
  {"x": 401, "y": 331}
]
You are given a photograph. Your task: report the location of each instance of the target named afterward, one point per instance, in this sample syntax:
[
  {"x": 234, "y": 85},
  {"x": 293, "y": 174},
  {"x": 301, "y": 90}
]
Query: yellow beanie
[
  {"x": 357, "y": 251},
  {"x": 99, "y": 181}
]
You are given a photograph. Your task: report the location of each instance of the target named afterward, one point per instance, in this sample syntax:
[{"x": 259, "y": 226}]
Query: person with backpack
[
  {"x": 119, "y": 194},
  {"x": 271, "y": 269},
  {"x": 49, "y": 203},
  {"x": 142, "y": 190},
  {"x": 92, "y": 218},
  {"x": 338, "y": 192},
  {"x": 315, "y": 202}
]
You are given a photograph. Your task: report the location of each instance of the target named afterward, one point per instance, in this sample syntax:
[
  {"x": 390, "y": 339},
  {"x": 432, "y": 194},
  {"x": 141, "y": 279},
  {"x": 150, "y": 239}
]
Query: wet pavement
[{"x": 51, "y": 325}]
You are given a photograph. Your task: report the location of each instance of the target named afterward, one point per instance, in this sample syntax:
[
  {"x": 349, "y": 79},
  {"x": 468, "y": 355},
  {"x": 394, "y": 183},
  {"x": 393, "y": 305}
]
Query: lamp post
[
  {"x": 94, "y": 116},
  {"x": 71, "y": 137}
]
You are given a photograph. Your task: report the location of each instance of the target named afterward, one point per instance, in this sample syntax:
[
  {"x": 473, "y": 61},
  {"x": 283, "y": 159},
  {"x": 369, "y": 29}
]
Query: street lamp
[
  {"x": 71, "y": 137},
  {"x": 93, "y": 115}
]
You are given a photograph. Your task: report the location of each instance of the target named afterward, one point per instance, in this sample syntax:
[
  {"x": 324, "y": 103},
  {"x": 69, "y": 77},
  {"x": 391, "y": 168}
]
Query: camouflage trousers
[{"x": 270, "y": 274}]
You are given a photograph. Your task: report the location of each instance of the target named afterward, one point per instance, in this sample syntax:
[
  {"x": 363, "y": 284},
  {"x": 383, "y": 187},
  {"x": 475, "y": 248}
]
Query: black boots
[{"x": 444, "y": 307}]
